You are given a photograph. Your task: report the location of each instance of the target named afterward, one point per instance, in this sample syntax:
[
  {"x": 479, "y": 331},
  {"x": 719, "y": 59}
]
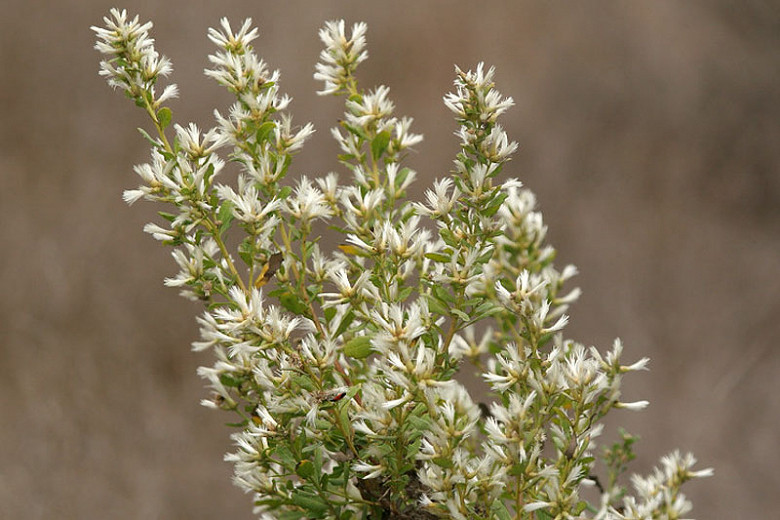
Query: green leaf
[
  {"x": 308, "y": 248},
  {"x": 284, "y": 192},
  {"x": 298, "y": 444},
  {"x": 285, "y": 457},
  {"x": 292, "y": 303},
  {"x": 494, "y": 205},
  {"x": 346, "y": 321},
  {"x": 541, "y": 514},
  {"x": 448, "y": 237},
  {"x": 401, "y": 177},
  {"x": 486, "y": 309},
  {"x": 353, "y": 250},
  {"x": 164, "y": 116},
  {"x": 304, "y": 382},
  {"x": 286, "y": 166},
  {"x": 352, "y": 392},
  {"x": 346, "y": 425},
  {"x": 436, "y": 306},
  {"x": 414, "y": 448},
  {"x": 225, "y": 216},
  {"x": 170, "y": 217},
  {"x": 305, "y": 469},
  {"x": 229, "y": 381},
  {"x": 443, "y": 462},
  {"x": 263, "y": 130},
  {"x": 354, "y": 130},
  {"x": 272, "y": 502},
  {"x": 318, "y": 464},
  {"x": 499, "y": 510},
  {"x": 379, "y": 144},
  {"x": 329, "y": 313},
  {"x": 438, "y": 257},
  {"x": 148, "y": 137},
  {"x": 443, "y": 294},
  {"x": 310, "y": 502},
  {"x": 245, "y": 251},
  {"x": 419, "y": 423},
  {"x": 358, "y": 347},
  {"x": 404, "y": 294},
  {"x": 486, "y": 256}
]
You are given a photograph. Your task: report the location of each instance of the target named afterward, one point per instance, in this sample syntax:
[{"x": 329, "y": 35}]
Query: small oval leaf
[{"x": 358, "y": 347}]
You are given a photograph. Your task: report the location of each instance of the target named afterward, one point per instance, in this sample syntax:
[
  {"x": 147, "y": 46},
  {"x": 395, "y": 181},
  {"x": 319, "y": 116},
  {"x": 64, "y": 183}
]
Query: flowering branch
[{"x": 341, "y": 366}]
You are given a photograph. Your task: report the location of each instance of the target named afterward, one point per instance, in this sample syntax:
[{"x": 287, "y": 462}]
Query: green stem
[
  {"x": 211, "y": 227},
  {"x": 160, "y": 130}
]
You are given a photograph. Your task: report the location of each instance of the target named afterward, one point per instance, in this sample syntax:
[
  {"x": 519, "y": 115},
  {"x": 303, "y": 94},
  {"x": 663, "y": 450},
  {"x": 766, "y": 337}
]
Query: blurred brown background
[{"x": 648, "y": 130}]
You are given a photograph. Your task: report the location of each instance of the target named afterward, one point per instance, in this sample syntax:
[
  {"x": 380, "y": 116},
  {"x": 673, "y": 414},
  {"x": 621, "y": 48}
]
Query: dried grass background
[{"x": 648, "y": 130}]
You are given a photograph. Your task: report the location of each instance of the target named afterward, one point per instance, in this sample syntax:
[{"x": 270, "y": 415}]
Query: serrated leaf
[
  {"x": 164, "y": 116},
  {"x": 358, "y": 347}
]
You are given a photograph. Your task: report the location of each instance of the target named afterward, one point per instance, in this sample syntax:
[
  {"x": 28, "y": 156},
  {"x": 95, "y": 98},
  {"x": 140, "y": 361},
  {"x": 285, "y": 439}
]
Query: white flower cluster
[
  {"x": 342, "y": 371},
  {"x": 132, "y": 64},
  {"x": 341, "y": 56},
  {"x": 658, "y": 495}
]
